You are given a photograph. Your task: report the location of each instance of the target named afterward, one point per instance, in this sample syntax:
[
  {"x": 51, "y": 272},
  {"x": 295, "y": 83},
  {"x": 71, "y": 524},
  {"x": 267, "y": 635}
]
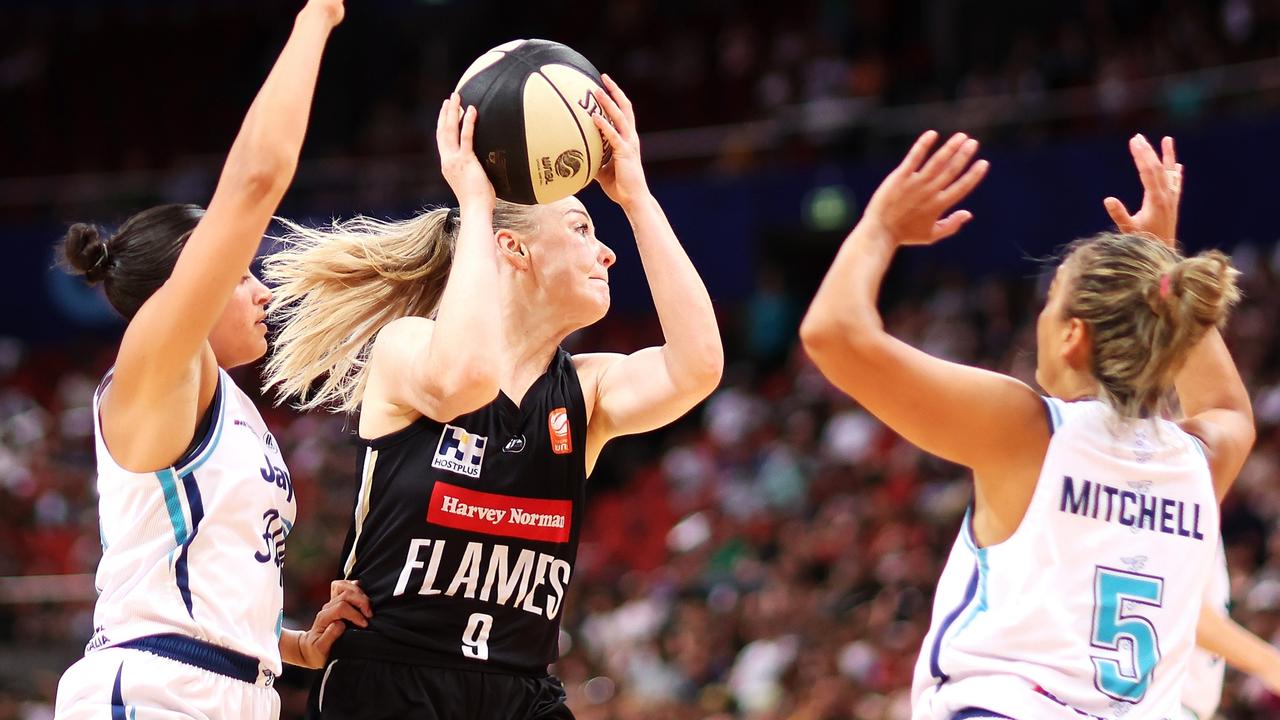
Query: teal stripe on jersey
[
  {"x": 1055, "y": 411},
  {"x": 984, "y": 571},
  {"x": 981, "y": 606},
  {"x": 207, "y": 451},
  {"x": 169, "y": 486}
]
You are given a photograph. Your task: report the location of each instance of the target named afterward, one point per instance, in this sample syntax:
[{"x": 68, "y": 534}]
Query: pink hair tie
[{"x": 1164, "y": 286}]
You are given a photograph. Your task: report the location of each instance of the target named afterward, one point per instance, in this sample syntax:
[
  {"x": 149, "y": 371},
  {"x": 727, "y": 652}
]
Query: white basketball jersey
[
  {"x": 1089, "y": 610},
  {"x": 1203, "y": 690},
  {"x": 197, "y": 548}
]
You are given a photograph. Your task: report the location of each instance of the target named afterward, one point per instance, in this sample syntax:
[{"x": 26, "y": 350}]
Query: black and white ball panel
[{"x": 534, "y": 134}]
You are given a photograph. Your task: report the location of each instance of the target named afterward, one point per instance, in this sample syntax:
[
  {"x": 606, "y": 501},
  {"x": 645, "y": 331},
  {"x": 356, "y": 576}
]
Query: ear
[
  {"x": 511, "y": 248},
  {"x": 1077, "y": 344}
]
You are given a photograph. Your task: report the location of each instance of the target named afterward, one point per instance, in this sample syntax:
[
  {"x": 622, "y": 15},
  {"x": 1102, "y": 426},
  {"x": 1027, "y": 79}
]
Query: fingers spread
[
  {"x": 612, "y": 111},
  {"x": 442, "y": 121},
  {"x": 915, "y": 156},
  {"x": 447, "y": 125},
  {"x": 1119, "y": 215},
  {"x": 468, "y": 129},
  {"x": 1149, "y": 168},
  {"x": 959, "y": 189},
  {"x": 1168, "y": 154},
  {"x": 951, "y": 224},
  {"x": 936, "y": 164},
  {"x": 955, "y": 166},
  {"x": 620, "y": 97},
  {"x": 610, "y": 133}
]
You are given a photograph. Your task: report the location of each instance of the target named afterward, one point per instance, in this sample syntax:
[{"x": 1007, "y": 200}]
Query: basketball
[{"x": 534, "y": 134}]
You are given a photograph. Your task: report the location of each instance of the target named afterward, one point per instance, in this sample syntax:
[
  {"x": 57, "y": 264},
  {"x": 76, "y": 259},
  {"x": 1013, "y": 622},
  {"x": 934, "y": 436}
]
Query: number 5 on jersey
[
  {"x": 475, "y": 639},
  {"x": 1126, "y": 675}
]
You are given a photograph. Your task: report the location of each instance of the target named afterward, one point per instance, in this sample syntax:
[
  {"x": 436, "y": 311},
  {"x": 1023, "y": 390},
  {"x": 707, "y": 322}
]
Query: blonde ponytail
[
  {"x": 335, "y": 287},
  {"x": 1146, "y": 307}
]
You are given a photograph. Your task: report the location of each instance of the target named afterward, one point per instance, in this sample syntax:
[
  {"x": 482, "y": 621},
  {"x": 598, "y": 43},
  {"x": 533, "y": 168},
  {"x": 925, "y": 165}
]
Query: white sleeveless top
[
  {"x": 1202, "y": 692},
  {"x": 1090, "y": 609},
  {"x": 197, "y": 548}
]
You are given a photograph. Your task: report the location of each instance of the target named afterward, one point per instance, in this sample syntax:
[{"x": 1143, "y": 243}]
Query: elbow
[
  {"x": 265, "y": 174},
  {"x": 471, "y": 387},
  {"x": 825, "y": 338},
  {"x": 820, "y": 336},
  {"x": 1249, "y": 435},
  {"x": 461, "y": 390},
  {"x": 708, "y": 368},
  {"x": 696, "y": 368}
]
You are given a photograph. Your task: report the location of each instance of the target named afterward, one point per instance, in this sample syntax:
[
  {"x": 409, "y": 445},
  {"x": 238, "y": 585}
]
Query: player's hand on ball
[
  {"x": 347, "y": 602},
  {"x": 1161, "y": 192},
  {"x": 331, "y": 10},
  {"x": 622, "y": 178},
  {"x": 458, "y": 162},
  {"x": 910, "y": 203}
]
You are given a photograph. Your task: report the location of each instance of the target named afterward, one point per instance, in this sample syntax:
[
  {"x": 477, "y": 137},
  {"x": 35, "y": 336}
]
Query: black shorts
[{"x": 358, "y": 689}]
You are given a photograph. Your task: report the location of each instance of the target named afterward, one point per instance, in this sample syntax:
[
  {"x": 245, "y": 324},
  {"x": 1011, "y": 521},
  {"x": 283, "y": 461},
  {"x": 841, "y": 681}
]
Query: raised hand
[
  {"x": 458, "y": 162},
  {"x": 910, "y": 202},
  {"x": 1161, "y": 192},
  {"x": 622, "y": 178},
  {"x": 347, "y": 602}
]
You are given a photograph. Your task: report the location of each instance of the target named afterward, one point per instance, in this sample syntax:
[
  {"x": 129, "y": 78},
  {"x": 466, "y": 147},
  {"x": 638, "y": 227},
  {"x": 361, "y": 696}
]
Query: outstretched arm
[
  {"x": 446, "y": 367},
  {"x": 1242, "y": 650},
  {"x": 163, "y": 354},
  {"x": 963, "y": 414},
  {"x": 651, "y": 387},
  {"x": 1215, "y": 402},
  {"x": 989, "y": 422}
]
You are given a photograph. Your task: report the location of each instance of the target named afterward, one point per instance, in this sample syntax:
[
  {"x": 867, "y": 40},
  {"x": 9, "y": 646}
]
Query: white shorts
[{"x": 125, "y": 684}]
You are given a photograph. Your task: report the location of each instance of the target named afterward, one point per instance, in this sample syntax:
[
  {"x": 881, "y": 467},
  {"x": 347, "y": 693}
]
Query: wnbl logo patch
[
  {"x": 558, "y": 426},
  {"x": 459, "y": 451}
]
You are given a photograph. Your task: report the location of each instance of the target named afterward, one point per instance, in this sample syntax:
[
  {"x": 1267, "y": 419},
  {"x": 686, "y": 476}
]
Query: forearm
[
  {"x": 844, "y": 309},
  {"x": 467, "y": 336},
  {"x": 1244, "y": 651},
  {"x": 1210, "y": 380},
  {"x": 693, "y": 350},
  {"x": 274, "y": 127},
  {"x": 255, "y": 176},
  {"x": 291, "y": 648}
]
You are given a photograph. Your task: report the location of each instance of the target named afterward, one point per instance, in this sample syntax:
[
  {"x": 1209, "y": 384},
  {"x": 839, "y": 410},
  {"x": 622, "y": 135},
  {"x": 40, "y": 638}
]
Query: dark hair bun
[{"x": 86, "y": 252}]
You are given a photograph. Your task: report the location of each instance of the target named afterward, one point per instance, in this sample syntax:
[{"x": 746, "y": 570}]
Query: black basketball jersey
[{"x": 465, "y": 533}]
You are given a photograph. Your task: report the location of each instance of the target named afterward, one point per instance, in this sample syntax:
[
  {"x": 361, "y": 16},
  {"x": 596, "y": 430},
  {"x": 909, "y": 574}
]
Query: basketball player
[
  {"x": 1074, "y": 588},
  {"x": 195, "y": 500},
  {"x": 479, "y": 430}
]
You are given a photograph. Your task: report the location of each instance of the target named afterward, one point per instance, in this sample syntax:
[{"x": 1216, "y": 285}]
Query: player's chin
[
  {"x": 254, "y": 349},
  {"x": 600, "y": 301}
]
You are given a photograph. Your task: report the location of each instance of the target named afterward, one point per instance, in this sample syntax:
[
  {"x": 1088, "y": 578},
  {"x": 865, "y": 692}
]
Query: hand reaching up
[
  {"x": 1161, "y": 192},
  {"x": 910, "y": 203}
]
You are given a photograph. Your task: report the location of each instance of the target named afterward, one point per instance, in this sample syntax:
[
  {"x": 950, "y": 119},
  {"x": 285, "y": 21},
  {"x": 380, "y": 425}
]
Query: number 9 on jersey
[{"x": 475, "y": 639}]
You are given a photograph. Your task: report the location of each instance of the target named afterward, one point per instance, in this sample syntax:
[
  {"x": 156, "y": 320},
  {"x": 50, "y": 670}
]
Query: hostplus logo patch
[{"x": 459, "y": 451}]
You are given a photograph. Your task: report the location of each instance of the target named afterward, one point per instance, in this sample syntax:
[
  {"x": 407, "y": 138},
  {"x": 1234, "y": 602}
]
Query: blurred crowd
[
  {"x": 771, "y": 557},
  {"x": 133, "y": 84}
]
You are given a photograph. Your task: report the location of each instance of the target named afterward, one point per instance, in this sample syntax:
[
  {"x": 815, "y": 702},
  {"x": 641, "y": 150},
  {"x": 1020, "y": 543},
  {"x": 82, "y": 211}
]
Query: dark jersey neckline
[{"x": 512, "y": 415}]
